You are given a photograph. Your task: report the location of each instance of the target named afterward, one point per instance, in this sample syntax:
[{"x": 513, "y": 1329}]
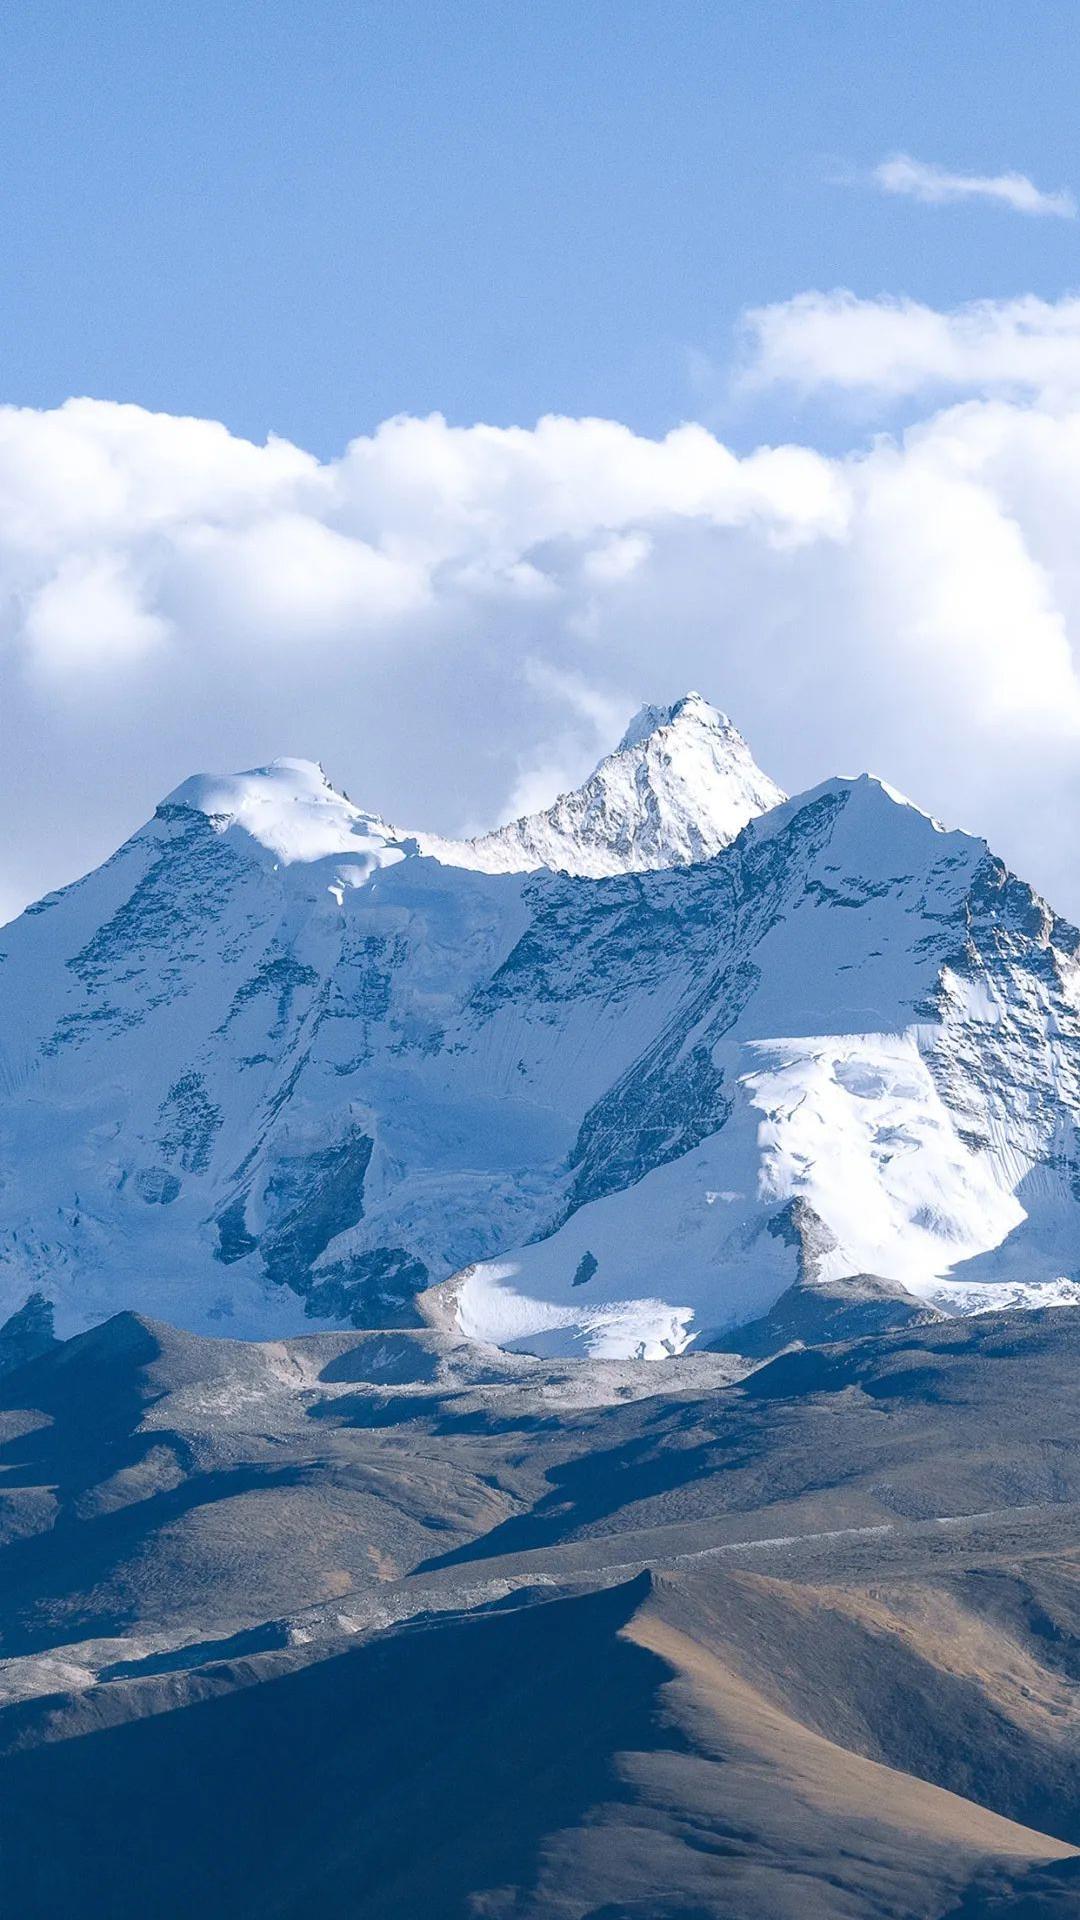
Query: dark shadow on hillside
[
  {"x": 393, "y": 1781},
  {"x": 1043, "y": 1893},
  {"x": 39, "y": 1575},
  {"x": 646, "y": 1466},
  {"x": 88, "y": 1396}
]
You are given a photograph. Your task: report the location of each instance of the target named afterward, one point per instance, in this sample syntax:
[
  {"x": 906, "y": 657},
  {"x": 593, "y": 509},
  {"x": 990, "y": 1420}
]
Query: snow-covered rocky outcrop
[
  {"x": 274, "y": 1062},
  {"x": 680, "y": 785}
]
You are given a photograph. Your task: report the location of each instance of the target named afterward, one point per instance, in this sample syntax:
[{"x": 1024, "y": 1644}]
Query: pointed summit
[
  {"x": 649, "y": 719},
  {"x": 678, "y": 788}
]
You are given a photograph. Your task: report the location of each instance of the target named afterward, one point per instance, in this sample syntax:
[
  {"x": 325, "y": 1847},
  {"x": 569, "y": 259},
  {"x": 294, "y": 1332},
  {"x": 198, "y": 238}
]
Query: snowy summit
[
  {"x": 275, "y": 1063},
  {"x": 681, "y": 784},
  {"x": 290, "y": 809}
]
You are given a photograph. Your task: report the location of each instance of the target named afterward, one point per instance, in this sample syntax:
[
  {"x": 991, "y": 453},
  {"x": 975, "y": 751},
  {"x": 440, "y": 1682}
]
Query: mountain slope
[
  {"x": 875, "y": 1072},
  {"x": 755, "y": 1650},
  {"x": 273, "y": 1063},
  {"x": 616, "y": 1763}
]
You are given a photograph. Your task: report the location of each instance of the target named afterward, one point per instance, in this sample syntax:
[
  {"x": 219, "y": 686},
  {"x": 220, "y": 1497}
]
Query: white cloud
[
  {"x": 896, "y": 347},
  {"x": 586, "y": 723},
  {"x": 936, "y": 187},
  {"x": 173, "y": 598},
  {"x": 288, "y": 576},
  {"x": 87, "y": 615}
]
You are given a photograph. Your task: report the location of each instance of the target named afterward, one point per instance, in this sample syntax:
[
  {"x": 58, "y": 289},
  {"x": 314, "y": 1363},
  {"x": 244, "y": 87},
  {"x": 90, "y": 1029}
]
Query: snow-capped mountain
[
  {"x": 274, "y": 1062},
  {"x": 680, "y": 785}
]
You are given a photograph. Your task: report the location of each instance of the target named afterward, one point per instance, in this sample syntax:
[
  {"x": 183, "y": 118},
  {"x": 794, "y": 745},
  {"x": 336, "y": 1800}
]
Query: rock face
[
  {"x": 274, "y": 1062},
  {"x": 27, "y": 1333}
]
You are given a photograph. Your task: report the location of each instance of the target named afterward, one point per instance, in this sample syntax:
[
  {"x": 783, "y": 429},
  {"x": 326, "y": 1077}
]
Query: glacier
[{"x": 608, "y": 1080}]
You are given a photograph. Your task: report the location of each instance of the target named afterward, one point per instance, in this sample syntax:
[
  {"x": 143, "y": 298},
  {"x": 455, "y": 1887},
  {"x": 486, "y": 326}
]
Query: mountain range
[
  {"x": 620, "y": 1077},
  {"x": 621, "y": 1502}
]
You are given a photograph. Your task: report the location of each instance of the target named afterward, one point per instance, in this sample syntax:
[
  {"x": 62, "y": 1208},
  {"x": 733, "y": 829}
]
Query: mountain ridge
[
  {"x": 734, "y": 1612},
  {"x": 275, "y": 1063},
  {"x": 680, "y": 785}
]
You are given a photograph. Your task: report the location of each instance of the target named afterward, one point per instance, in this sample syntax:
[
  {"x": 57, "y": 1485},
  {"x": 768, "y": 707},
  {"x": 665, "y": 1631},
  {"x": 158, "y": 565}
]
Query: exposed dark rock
[
  {"x": 812, "y": 1312},
  {"x": 27, "y": 1333},
  {"x": 310, "y": 1198}
]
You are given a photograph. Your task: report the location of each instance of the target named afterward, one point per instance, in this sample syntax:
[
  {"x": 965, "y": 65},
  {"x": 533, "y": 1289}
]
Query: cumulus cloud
[
  {"x": 459, "y": 620},
  {"x": 936, "y": 187},
  {"x": 154, "y": 526},
  {"x": 594, "y": 721},
  {"x": 88, "y": 615},
  {"x": 896, "y": 348}
]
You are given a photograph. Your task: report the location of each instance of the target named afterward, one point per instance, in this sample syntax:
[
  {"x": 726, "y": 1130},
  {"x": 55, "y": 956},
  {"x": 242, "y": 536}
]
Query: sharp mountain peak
[{"x": 679, "y": 787}]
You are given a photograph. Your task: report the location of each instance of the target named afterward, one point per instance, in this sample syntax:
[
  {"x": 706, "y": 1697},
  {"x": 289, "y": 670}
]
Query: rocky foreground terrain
[{"x": 391, "y": 1624}]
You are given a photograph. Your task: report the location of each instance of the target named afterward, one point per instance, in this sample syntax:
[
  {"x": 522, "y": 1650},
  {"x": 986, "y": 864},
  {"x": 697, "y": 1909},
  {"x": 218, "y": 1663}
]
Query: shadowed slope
[
  {"x": 804, "y": 1648},
  {"x": 578, "y": 1757}
]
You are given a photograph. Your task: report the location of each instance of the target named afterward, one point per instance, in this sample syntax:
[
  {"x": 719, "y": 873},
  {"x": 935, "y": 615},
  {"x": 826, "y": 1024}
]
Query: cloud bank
[
  {"x": 895, "y": 348},
  {"x": 935, "y": 186},
  {"x": 456, "y": 620}
]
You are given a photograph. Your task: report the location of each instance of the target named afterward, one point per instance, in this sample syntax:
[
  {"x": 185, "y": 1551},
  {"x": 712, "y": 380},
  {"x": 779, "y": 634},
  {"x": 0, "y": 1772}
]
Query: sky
[{"x": 422, "y": 388}]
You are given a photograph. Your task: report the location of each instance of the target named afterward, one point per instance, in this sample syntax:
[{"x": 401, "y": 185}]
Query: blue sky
[
  {"x": 254, "y": 234},
  {"x": 305, "y": 218}
]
